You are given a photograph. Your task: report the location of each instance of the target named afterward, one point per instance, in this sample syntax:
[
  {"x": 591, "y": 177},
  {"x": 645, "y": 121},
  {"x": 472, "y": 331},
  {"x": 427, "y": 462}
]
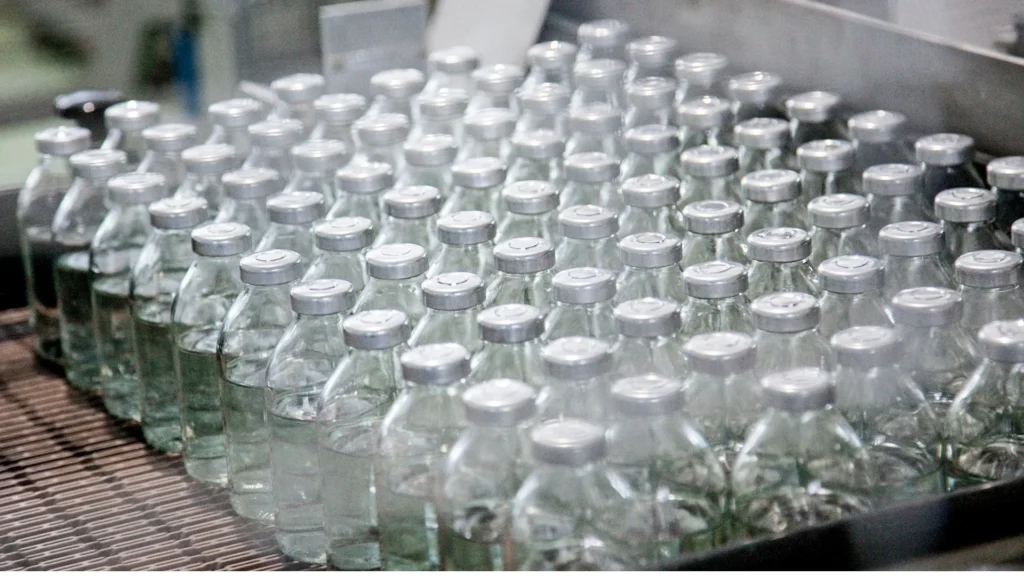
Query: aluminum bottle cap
[
  {"x": 647, "y": 318},
  {"x": 278, "y": 133},
  {"x": 435, "y": 364},
  {"x": 178, "y": 213},
  {"x": 816, "y": 106},
  {"x": 771, "y": 186},
  {"x": 927, "y": 306},
  {"x": 588, "y": 222},
  {"x": 911, "y": 238},
  {"x": 652, "y": 139},
  {"x": 136, "y": 188},
  {"x": 965, "y": 205},
  {"x": 651, "y": 93},
  {"x": 340, "y": 109},
  {"x": 538, "y": 144},
  {"x": 454, "y": 60},
  {"x": 322, "y": 297},
  {"x": 169, "y": 137},
  {"x": 893, "y": 180},
  {"x": 710, "y": 161},
  {"x": 595, "y": 118},
  {"x": 466, "y": 228},
  {"x": 798, "y": 390},
  {"x": 652, "y": 51},
  {"x": 762, "y": 133},
  {"x": 867, "y": 347},
  {"x": 271, "y": 267},
  {"x": 650, "y": 191},
  {"x": 296, "y": 208},
  {"x": 854, "y": 274},
  {"x": 376, "y": 329},
  {"x": 365, "y": 178},
  {"x": 646, "y": 395},
  {"x": 704, "y": 113},
  {"x": 1017, "y": 233},
  {"x": 453, "y": 291},
  {"x": 396, "y": 261},
  {"x": 554, "y": 55},
  {"x": 754, "y": 87},
  {"x": 524, "y": 255},
  {"x": 716, "y": 279},
  {"x": 1006, "y": 173},
  {"x": 599, "y": 73},
  {"x": 235, "y": 113},
  {"x": 603, "y": 33},
  {"x": 132, "y": 116},
  {"x": 382, "y": 129},
  {"x": 209, "y": 159},
  {"x": 591, "y": 168},
  {"x": 412, "y": 202},
  {"x": 226, "y": 239},
  {"x": 489, "y": 124},
  {"x": 786, "y": 312},
  {"x": 721, "y": 353},
  {"x": 877, "y": 126},
  {"x": 397, "y": 83},
  {"x": 510, "y": 323},
  {"x": 249, "y": 183},
  {"x": 650, "y": 250},
  {"x": 988, "y": 269},
  {"x": 713, "y": 217},
  {"x": 584, "y": 286},
  {"x": 700, "y": 67},
  {"x": 500, "y": 403},
  {"x": 62, "y": 140},
  {"x": 778, "y": 245},
  {"x": 547, "y": 98},
  {"x": 320, "y": 155},
  {"x": 1002, "y": 341},
  {"x": 839, "y": 211},
  {"x": 98, "y": 164},
  {"x": 498, "y": 78},
  {"x": 530, "y": 197},
  {"x": 478, "y": 173},
  {"x": 346, "y": 234},
  {"x": 825, "y": 156},
  {"x": 944, "y": 149},
  {"x": 298, "y": 88},
  {"x": 443, "y": 103},
  {"x": 430, "y": 150},
  {"x": 567, "y": 442},
  {"x": 577, "y": 358}
]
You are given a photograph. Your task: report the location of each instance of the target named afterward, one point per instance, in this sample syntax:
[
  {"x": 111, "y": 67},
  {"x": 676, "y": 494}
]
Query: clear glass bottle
[
  {"x": 206, "y": 166},
  {"x": 361, "y": 189},
  {"x": 291, "y": 223},
  {"x": 1006, "y": 177},
  {"x": 878, "y": 137},
  {"x": 595, "y": 128},
  {"x": 598, "y": 81},
  {"x": 245, "y": 198},
  {"x": 537, "y": 155},
  {"x": 550, "y": 63},
  {"x": 851, "y": 294},
  {"x": 712, "y": 232},
  {"x": 578, "y": 372},
  {"x": 411, "y": 217},
  {"x": 650, "y": 205},
  {"x": 762, "y": 144},
  {"x": 253, "y": 326},
  {"x": 440, "y": 112},
  {"x": 754, "y": 95},
  {"x": 840, "y": 227},
  {"x": 114, "y": 250},
  {"x": 802, "y": 463},
  {"x": 495, "y": 87},
  {"x": 352, "y": 405},
  {"x": 428, "y": 162},
  {"x": 125, "y": 122},
  {"x": 772, "y": 200},
  {"x": 814, "y": 116},
  {"x": 947, "y": 160},
  {"x": 451, "y": 67},
  {"x": 314, "y": 164},
  {"x": 780, "y": 262},
  {"x": 583, "y": 305},
  {"x": 297, "y": 372},
  {"x": 990, "y": 287},
  {"x": 380, "y": 139},
  {"x": 511, "y": 344},
  {"x": 38, "y": 201},
  {"x": 671, "y": 467},
  {"x": 588, "y": 238},
  {"x": 704, "y": 121},
  {"x": 914, "y": 256},
  {"x": 940, "y": 354},
  {"x": 650, "y": 268},
  {"x": 716, "y": 302},
  {"x": 453, "y": 300},
  {"x": 889, "y": 412},
  {"x": 894, "y": 194},
  {"x": 650, "y": 338},
  {"x": 416, "y": 436},
  {"x": 699, "y": 74},
  {"x": 204, "y": 296},
  {"x": 651, "y": 149},
  {"x": 709, "y": 173},
  {"x": 231, "y": 120},
  {"x": 1017, "y": 235},
  {"x": 524, "y": 273},
  {"x": 393, "y": 91},
  {"x": 341, "y": 245},
  {"x": 590, "y": 179},
  {"x": 488, "y": 134},
  {"x": 272, "y": 142},
  {"x": 650, "y": 102},
  {"x": 544, "y": 107},
  {"x": 826, "y": 167},
  {"x": 395, "y": 272},
  {"x": 476, "y": 186},
  {"x": 336, "y": 113},
  {"x": 604, "y": 38},
  {"x": 531, "y": 209},
  {"x": 161, "y": 266},
  {"x": 968, "y": 218},
  {"x": 787, "y": 335},
  {"x": 481, "y": 475},
  {"x": 296, "y": 94},
  {"x": 467, "y": 244},
  {"x": 650, "y": 57},
  {"x": 164, "y": 146}
]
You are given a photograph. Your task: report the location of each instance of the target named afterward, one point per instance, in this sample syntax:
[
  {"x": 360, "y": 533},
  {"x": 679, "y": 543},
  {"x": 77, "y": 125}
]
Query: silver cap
[
  {"x": 178, "y": 213},
  {"x": 893, "y": 180},
  {"x": 926, "y": 307},
  {"x": 340, "y": 109},
  {"x": 825, "y": 156},
  {"x": 704, "y": 113},
  {"x": 397, "y": 83},
  {"x": 530, "y": 197},
  {"x": 577, "y": 358},
  {"x": 296, "y": 208},
  {"x": 567, "y": 442},
  {"x": 965, "y": 205},
  {"x": 554, "y": 55},
  {"x": 786, "y": 312},
  {"x": 877, "y": 126},
  {"x": 209, "y": 159},
  {"x": 754, "y": 87},
  {"x": 853, "y": 274},
  {"x": 762, "y": 133},
  {"x": 466, "y": 228},
  {"x": 443, "y": 103},
  {"x": 652, "y": 51},
  {"x": 798, "y": 390},
  {"x": 271, "y": 267},
  {"x": 298, "y": 88},
  {"x": 454, "y": 60},
  {"x": 346, "y": 234},
  {"x": 771, "y": 186},
  {"x": 591, "y": 168},
  {"x": 430, "y": 150},
  {"x": 650, "y": 191},
  {"x": 547, "y": 98},
  {"x": 453, "y": 291},
  {"x": 510, "y": 323},
  {"x": 715, "y": 279},
  {"x": 524, "y": 256},
  {"x": 1002, "y": 341},
  {"x": 498, "y": 78},
  {"x": 944, "y": 149},
  {"x": 1006, "y": 173},
  {"x": 778, "y": 245},
  {"x": 839, "y": 211},
  {"x": 62, "y": 140},
  {"x": 376, "y": 329},
  {"x": 500, "y": 403},
  {"x": 646, "y": 395},
  {"x": 652, "y": 139},
  {"x": 396, "y": 261},
  {"x": 365, "y": 178},
  {"x": 322, "y": 297},
  {"x": 650, "y": 250},
  {"x": 489, "y": 124},
  {"x": 435, "y": 364},
  {"x": 136, "y": 188},
  {"x": 588, "y": 222},
  {"x": 816, "y": 106},
  {"x": 604, "y": 33},
  {"x": 235, "y": 113},
  {"x": 713, "y": 217},
  {"x": 98, "y": 164},
  {"x": 169, "y": 137},
  {"x": 227, "y": 239},
  {"x": 250, "y": 183},
  {"x": 279, "y": 133},
  {"x": 132, "y": 116},
  {"x": 867, "y": 347},
  {"x": 382, "y": 129},
  {"x": 710, "y": 161},
  {"x": 478, "y": 173},
  {"x": 595, "y": 119},
  {"x": 700, "y": 67},
  {"x": 584, "y": 286},
  {"x": 651, "y": 93},
  {"x": 1017, "y": 233},
  {"x": 911, "y": 238},
  {"x": 599, "y": 73},
  {"x": 988, "y": 269},
  {"x": 320, "y": 155},
  {"x": 721, "y": 353},
  {"x": 538, "y": 144},
  {"x": 647, "y": 318},
  {"x": 412, "y": 202}
]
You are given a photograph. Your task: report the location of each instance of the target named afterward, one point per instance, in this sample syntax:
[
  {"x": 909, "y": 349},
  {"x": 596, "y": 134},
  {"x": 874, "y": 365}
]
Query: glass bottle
[
  {"x": 889, "y": 412},
  {"x": 537, "y": 155},
  {"x": 361, "y": 188},
  {"x": 840, "y": 227},
  {"x": 754, "y": 95},
  {"x": 467, "y": 244},
  {"x": 245, "y": 198},
  {"x": 477, "y": 186},
  {"x": 291, "y": 223},
  {"x": 314, "y": 165},
  {"x": 780, "y": 262},
  {"x": 598, "y": 81},
  {"x": 1006, "y": 177},
  {"x": 650, "y": 102},
  {"x": 651, "y": 149},
  {"x": 699, "y": 74},
  {"x": 787, "y": 335},
  {"x": 704, "y": 121},
  {"x": 495, "y": 87},
  {"x": 205, "y": 166},
  {"x": 453, "y": 300},
  {"x": 550, "y": 63},
  {"x": 650, "y": 205},
  {"x": 650, "y": 57},
  {"x": 451, "y": 67},
  {"x": 231, "y": 120},
  {"x": 125, "y": 122},
  {"x": 380, "y": 139},
  {"x": 595, "y": 128},
  {"x": 990, "y": 287},
  {"x": 544, "y": 107},
  {"x": 894, "y": 194},
  {"x": 395, "y": 272},
  {"x": 1017, "y": 235},
  {"x": 604, "y": 38},
  {"x": 161, "y": 266},
  {"x": 716, "y": 302},
  {"x": 814, "y": 116},
  {"x": 524, "y": 273},
  {"x": 297, "y": 372},
  {"x": 851, "y": 294},
  {"x": 440, "y": 112},
  {"x": 968, "y": 217},
  {"x": 341, "y": 245},
  {"x": 762, "y": 144},
  {"x": 914, "y": 256},
  {"x": 531, "y": 209},
  {"x": 578, "y": 373},
  {"x": 272, "y": 142},
  {"x": 428, "y": 162},
  {"x": 164, "y": 146},
  {"x": 296, "y": 94},
  {"x": 712, "y": 232},
  {"x": 590, "y": 179},
  {"x": 583, "y": 305},
  {"x": 651, "y": 268},
  {"x": 253, "y": 326},
  {"x": 709, "y": 173},
  {"x": 650, "y": 338},
  {"x": 488, "y": 134},
  {"x": 393, "y": 91},
  {"x": 336, "y": 113},
  {"x": 588, "y": 238},
  {"x": 204, "y": 296},
  {"x": 826, "y": 167},
  {"x": 878, "y": 137},
  {"x": 511, "y": 344},
  {"x": 411, "y": 217},
  {"x": 772, "y": 200},
  {"x": 352, "y": 405},
  {"x": 947, "y": 160}
]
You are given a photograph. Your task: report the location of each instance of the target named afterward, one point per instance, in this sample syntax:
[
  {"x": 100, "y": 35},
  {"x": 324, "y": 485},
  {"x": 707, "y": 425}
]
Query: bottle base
[
  {"x": 212, "y": 471},
  {"x": 305, "y": 546},
  {"x": 365, "y": 556},
  {"x": 254, "y": 506},
  {"x": 164, "y": 438}
]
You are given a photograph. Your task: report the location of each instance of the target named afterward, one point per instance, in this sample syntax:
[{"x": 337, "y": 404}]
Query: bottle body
[
  {"x": 661, "y": 355},
  {"x": 841, "y": 311},
  {"x": 702, "y": 315},
  {"x": 597, "y": 253},
  {"x": 533, "y": 289},
  {"x": 768, "y": 277},
  {"x": 402, "y": 294},
  {"x": 665, "y": 283},
  {"x": 440, "y": 326},
  {"x": 347, "y": 266},
  {"x": 590, "y": 320},
  {"x": 984, "y": 305},
  {"x": 903, "y": 272},
  {"x": 518, "y": 361},
  {"x": 781, "y": 351},
  {"x": 939, "y": 360},
  {"x": 475, "y": 258},
  {"x": 700, "y": 248}
]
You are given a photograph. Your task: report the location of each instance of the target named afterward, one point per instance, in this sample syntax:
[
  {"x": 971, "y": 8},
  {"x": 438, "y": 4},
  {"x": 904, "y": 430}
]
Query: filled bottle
[
  {"x": 947, "y": 160},
  {"x": 411, "y": 217},
  {"x": 395, "y": 272},
  {"x": 336, "y": 113},
  {"x": 851, "y": 294},
  {"x": 754, "y": 95},
  {"x": 1006, "y": 177},
  {"x": 590, "y": 179},
  {"x": 544, "y": 107},
  {"x": 717, "y": 301},
  {"x": 299, "y": 368},
  {"x": 296, "y": 94},
  {"x": 878, "y": 137},
  {"x": 272, "y": 142},
  {"x": 787, "y": 335},
  {"x": 523, "y": 268},
  {"x": 588, "y": 238},
  {"x": 495, "y": 87},
  {"x": 651, "y": 149},
  {"x": 291, "y": 223},
  {"x": 650, "y": 268},
  {"x": 598, "y": 81},
  {"x": 650, "y": 102},
  {"x": 550, "y": 63},
  {"x": 125, "y": 122},
  {"x": 578, "y": 374},
  {"x": 341, "y": 246},
  {"x": 604, "y": 38},
  {"x": 712, "y": 232},
  {"x": 968, "y": 220},
  {"x": 360, "y": 191},
  {"x": 772, "y": 200},
  {"x": 206, "y": 166},
  {"x": 537, "y": 156},
  {"x": 440, "y": 112},
  {"x": 477, "y": 186},
  {"x": 990, "y": 287},
  {"x": 393, "y": 91},
  {"x": 595, "y": 128},
  {"x": 709, "y": 173},
  {"x": 650, "y": 338},
  {"x": 583, "y": 305},
  {"x": 650, "y": 205},
  {"x": 511, "y": 344},
  {"x": 894, "y": 194},
  {"x": 467, "y": 244},
  {"x": 488, "y": 134},
  {"x": 762, "y": 144},
  {"x": 453, "y": 301},
  {"x": 314, "y": 165},
  {"x": 699, "y": 74},
  {"x": 164, "y": 146},
  {"x": 704, "y": 121},
  {"x": 826, "y": 167},
  {"x": 428, "y": 162},
  {"x": 231, "y": 120},
  {"x": 814, "y": 116},
  {"x": 913, "y": 256},
  {"x": 531, "y": 209},
  {"x": 840, "y": 227},
  {"x": 380, "y": 138},
  {"x": 650, "y": 57},
  {"x": 352, "y": 405},
  {"x": 451, "y": 68},
  {"x": 780, "y": 262},
  {"x": 245, "y": 198}
]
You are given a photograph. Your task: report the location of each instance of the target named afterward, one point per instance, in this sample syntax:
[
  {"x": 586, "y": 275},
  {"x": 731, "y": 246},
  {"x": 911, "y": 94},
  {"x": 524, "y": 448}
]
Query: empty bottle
[
  {"x": 889, "y": 412},
  {"x": 531, "y": 209},
  {"x": 315, "y": 163},
  {"x": 851, "y": 294},
  {"x": 947, "y": 160},
  {"x": 291, "y": 219},
  {"x": 650, "y": 102},
  {"x": 272, "y": 142},
  {"x": 814, "y": 116},
  {"x": 712, "y": 232},
  {"x": 453, "y": 300},
  {"x": 709, "y": 174},
  {"x": 451, "y": 67},
  {"x": 393, "y": 91},
  {"x": 395, "y": 272},
  {"x": 297, "y": 372},
  {"x": 583, "y": 305},
  {"x": 772, "y": 201},
  {"x": 203, "y": 299},
  {"x": 164, "y": 146},
  {"x": 544, "y": 107},
  {"x": 411, "y": 217},
  {"x": 762, "y": 144},
  {"x": 650, "y": 205},
  {"x": 428, "y": 162},
  {"x": 990, "y": 287},
  {"x": 840, "y": 227},
  {"x": 968, "y": 220},
  {"x": 538, "y": 156},
  {"x": 591, "y": 179},
  {"x": 162, "y": 264},
  {"x": 360, "y": 191},
  {"x": 878, "y": 137},
  {"x": 914, "y": 256},
  {"x": 245, "y": 198},
  {"x": 440, "y": 112},
  {"x": 787, "y": 335},
  {"x": 598, "y": 81},
  {"x": 650, "y": 56},
  {"x": 467, "y": 244},
  {"x": 704, "y": 121},
  {"x": 578, "y": 373},
  {"x": 488, "y": 134},
  {"x": 524, "y": 273},
  {"x": 651, "y": 149},
  {"x": 125, "y": 122},
  {"x": 826, "y": 167},
  {"x": 894, "y": 194},
  {"x": 1006, "y": 177},
  {"x": 588, "y": 238},
  {"x": 650, "y": 339},
  {"x": 231, "y": 120},
  {"x": 550, "y": 63},
  {"x": 595, "y": 128},
  {"x": 802, "y": 463},
  {"x": 341, "y": 246},
  {"x": 380, "y": 138},
  {"x": 780, "y": 262},
  {"x": 253, "y": 326},
  {"x": 716, "y": 302},
  {"x": 604, "y": 38},
  {"x": 352, "y": 405},
  {"x": 495, "y": 87},
  {"x": 477, "y": 186},
  {"x": 699, "y": 74},
  {"x": 296, "y": 94},
  {"x": 753, "y": 95},
  {"x": 336, "y": 113},
  {"x": 206, "y": 165},
  {"x": 651, "y": 268},
  {"x": 511, "y": 344}
]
